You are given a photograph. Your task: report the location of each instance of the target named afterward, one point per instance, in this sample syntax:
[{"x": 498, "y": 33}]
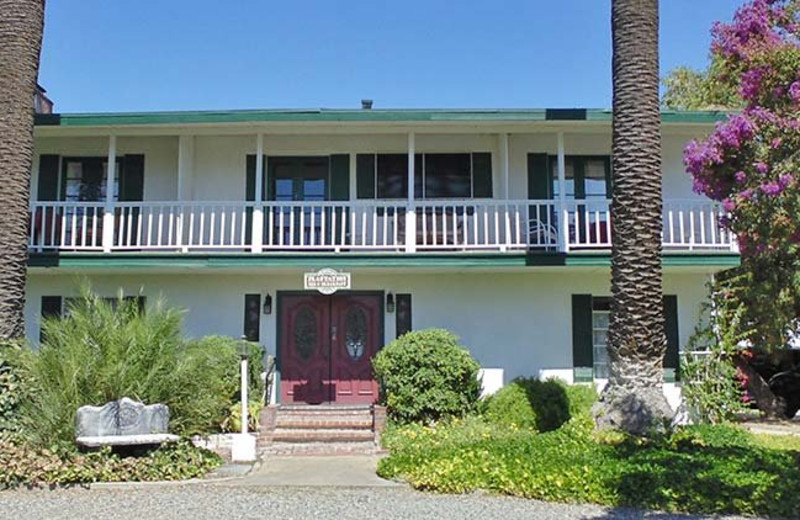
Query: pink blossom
[
  {"x": 728, "y": 205},
  {"x": 740, "y": 177},
  {"x": 772, "y": 189},
  {"x": 794, "y": 91},
  {"x": 761, "y": 167}
]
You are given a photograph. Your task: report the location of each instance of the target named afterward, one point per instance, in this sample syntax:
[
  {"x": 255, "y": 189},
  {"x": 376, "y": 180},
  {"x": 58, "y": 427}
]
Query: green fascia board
[
  {"x": 381, "y": 261},
  {"x": 356, "y": 116}
]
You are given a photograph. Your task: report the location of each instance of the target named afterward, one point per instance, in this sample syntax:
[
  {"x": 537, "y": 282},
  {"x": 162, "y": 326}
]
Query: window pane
[
  {"x": 595, "y": 172},
  {"x": 569, "y": 176},
  {"x": 448, "y": 176},
  {"x": 314, "y": 190},
  {"x": 86, "y": 180},
  {"x": 599, "y": 342},
  {"x": 393, "y": 176},
  {"x": 284, "y": 189}
]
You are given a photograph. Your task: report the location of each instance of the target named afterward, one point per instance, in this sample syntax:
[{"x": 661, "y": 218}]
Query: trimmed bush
[
  {"x": 538, "y": 405},
  {"x": 101, "y": 351},
  {"x": 426, "y": 375}
]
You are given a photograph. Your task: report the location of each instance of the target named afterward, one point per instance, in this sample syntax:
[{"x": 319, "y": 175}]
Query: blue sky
[{"x": 102, "y": 55}]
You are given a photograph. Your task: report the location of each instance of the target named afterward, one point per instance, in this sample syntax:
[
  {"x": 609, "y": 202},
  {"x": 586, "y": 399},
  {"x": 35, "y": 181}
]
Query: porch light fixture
[
  {"x": 390, "y": 303},
  {"x": 268, "y": 304}
]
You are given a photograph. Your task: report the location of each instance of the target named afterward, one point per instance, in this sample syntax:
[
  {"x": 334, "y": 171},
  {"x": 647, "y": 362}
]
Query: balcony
[{"x": 452, "y": 226}]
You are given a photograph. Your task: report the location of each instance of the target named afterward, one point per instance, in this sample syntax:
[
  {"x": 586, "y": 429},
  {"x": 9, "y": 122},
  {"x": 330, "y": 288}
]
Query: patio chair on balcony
[{"x": 542, "y": 234}]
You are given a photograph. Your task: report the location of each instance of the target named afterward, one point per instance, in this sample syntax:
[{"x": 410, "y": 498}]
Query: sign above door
[{"x": 326, "y": 281}]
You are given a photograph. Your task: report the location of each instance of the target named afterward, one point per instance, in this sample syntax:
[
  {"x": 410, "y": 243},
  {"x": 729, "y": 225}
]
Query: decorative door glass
[
  {"x": 305, "y": 333},
  {"x": 355, "y": 333}
]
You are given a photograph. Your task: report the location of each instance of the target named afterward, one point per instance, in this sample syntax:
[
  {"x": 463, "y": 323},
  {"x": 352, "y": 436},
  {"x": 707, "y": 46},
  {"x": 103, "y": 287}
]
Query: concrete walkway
[{"x": 327, "y": 471}]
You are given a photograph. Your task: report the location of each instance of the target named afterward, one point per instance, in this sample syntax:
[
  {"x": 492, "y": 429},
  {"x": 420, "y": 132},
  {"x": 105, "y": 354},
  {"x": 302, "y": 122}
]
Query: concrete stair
[{"x": 321, "y": 429}]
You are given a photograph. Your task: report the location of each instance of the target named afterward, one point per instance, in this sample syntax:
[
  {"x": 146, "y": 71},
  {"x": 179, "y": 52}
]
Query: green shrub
[
  {"x": 511, "y": 406},
  {"x": 581, "y": 398},
  {"x": 426, "y": 375},
  {"x": 539, "y": 405},
  {"x": 21, "y": 464},
  {"x": 13, "y": 389},
  {"x": 710, "y": 388},
  {"x": 102, "y": 351},
  {"x": 707, "y": 469}
]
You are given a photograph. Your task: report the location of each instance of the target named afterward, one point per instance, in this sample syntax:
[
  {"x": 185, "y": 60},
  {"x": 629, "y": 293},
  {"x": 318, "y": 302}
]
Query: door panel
[
  {"x": 355, "y": 339},
  {"x": 326, "y": 348},
  {"x": 305, "y": 359}
]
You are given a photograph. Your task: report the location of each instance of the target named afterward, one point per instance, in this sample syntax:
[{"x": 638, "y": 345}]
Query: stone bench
[{"x": 123, "y": 423}]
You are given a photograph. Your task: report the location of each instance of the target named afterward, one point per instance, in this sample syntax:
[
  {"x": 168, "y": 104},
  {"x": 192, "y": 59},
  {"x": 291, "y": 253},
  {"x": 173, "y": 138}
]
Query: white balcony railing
[{"x": 382, "y": 226}]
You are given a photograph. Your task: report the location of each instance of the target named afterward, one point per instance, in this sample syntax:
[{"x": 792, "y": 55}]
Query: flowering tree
[{"x": 751, "y": 162}]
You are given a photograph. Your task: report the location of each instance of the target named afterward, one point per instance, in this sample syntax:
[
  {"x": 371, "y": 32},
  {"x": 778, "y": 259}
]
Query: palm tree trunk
[
  {"x": 634, "y": 400},
  {"x": 21, "y": 25}
]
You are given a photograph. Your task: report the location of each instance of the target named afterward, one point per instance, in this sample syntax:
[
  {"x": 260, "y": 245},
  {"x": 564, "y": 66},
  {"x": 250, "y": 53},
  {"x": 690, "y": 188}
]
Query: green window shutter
[
  {"x": 365, "y": 176},
  {"x": 340, "y": 177},
  {"x": 250, "y": 196},
  {"x": 579, "y": 171},
  {"x": 672, "y": 357},
  {"x": 250, "y": 179},
  {"x": 267, "y": 187},
  {"x": 540, "y": 182},
  {"x": 582, "y": 331},
  {"x": 131, "y": 187},
  {"x": 252, "y": 316},
  {"x": 482, "y": 175},
  {"x": 47, "y": 186},
  {"x": 51, "y": 308},
  {"x": 402, "y": 314},
  {"x": 608, "y": 177}
]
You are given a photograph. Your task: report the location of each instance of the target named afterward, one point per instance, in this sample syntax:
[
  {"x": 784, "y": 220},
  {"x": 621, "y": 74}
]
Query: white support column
[
  {"x": 108, "y": 210},
  {"x": 411, "y": 213},
  {"x": 258, "y": 210},
  {"x": 563, "y": 232},
  {"x": 504, "y": 164},
  {"x": 185, "y": 185},
  {"x": 186, "y": 167}
]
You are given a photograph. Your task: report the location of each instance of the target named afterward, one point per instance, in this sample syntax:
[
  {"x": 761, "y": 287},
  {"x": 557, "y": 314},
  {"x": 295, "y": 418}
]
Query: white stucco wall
[
  {"x": 161, "y": 159},
  {"x": 219, "y": 160},
  {"x": 520, "y": 322}
]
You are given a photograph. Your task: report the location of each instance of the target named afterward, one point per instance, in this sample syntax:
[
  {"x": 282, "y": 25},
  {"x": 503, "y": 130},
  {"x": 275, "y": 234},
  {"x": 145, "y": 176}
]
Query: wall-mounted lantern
[
  {"x": 268, "y": 304},
  {"x": 390, "y": 303}
]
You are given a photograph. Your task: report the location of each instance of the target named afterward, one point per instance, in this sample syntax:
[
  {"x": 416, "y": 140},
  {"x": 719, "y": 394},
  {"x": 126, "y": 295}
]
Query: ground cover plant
[
  {"x": 708, "y": 469},
  {"x": 22, "y": 464}
]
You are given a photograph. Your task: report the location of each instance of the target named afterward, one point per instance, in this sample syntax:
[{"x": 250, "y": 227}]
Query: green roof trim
[
  {"x": 324, "y": 115},
  {"x": 181, "y": 261}
]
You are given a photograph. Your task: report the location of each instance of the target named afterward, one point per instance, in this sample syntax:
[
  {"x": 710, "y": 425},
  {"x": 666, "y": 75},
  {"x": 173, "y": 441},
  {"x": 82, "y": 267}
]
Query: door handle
[{"x": 333, "y": 333}]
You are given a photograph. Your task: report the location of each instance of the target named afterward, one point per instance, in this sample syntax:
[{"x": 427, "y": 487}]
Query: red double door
[{"x": 326, "y": 347}]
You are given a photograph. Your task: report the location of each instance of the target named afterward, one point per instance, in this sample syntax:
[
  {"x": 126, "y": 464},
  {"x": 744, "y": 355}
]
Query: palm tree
[
  {"x": 634, "y": 400},
  {"x": 21, "y": 25}
]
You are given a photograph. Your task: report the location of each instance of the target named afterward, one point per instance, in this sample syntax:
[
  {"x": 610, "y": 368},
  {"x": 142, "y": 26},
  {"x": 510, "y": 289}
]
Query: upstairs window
[
  {"x": 586, "y": 177},
  {"x": 85, "y": 179},
  {"x": 436, "y": 176}
]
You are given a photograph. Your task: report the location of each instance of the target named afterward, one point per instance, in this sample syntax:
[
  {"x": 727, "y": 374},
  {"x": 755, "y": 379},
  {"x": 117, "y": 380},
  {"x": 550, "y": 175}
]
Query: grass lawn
[{"x": 701, "y": 469}]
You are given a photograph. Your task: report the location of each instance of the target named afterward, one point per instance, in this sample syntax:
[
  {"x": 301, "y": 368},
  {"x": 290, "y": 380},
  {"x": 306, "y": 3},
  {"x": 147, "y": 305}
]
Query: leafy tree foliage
[{"x": 751, "y": 162}]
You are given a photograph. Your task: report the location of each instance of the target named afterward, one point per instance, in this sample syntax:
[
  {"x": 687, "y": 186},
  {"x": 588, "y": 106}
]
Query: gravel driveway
[{"x": 217, "y": 501}]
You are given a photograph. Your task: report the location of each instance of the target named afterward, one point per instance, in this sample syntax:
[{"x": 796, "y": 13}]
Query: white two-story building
[{"x": 493, "y": 224}]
